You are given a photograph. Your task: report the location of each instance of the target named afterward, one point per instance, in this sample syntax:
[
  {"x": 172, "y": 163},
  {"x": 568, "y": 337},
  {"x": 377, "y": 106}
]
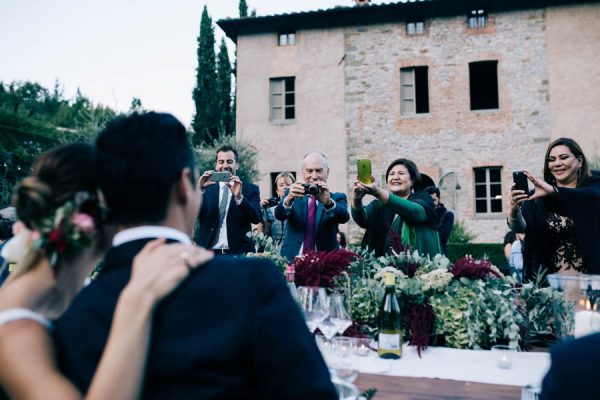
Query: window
[
  {"x": 414, "y": 91},
  {"x": 415, "y": 28},
  {"x": 287, "y": 39},
  {"x": 488, "y": 190},
  {"x": 477, "y": 19},
  {"x": 282, "y": 99},
  {"x": 483, "y": 85}
]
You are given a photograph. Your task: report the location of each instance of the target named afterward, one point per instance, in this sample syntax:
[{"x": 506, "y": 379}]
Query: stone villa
[{"x": 469, "y": 90}]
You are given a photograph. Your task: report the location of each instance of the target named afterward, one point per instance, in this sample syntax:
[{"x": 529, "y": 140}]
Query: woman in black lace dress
[{"x": 561, "y": 217}]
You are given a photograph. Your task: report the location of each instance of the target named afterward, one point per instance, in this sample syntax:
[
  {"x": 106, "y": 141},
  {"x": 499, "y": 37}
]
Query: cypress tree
[
  {"x": 243, "y": 9},
  {"x": 224, "y": 89},
  {"x": 206, "y": 120}
]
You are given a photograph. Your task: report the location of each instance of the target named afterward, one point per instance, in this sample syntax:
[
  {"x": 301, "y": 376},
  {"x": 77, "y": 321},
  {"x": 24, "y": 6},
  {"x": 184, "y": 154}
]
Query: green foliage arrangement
[{"x": 469, "y": 304}]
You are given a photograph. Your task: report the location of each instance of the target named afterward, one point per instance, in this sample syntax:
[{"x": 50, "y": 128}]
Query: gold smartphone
[{"x": 363, "y": 166}]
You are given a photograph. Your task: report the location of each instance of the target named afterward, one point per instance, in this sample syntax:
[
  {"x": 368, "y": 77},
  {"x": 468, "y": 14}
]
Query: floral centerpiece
[{"x": 469, "y": 304}]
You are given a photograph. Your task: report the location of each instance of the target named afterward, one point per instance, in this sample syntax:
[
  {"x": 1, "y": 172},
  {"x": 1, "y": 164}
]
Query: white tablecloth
[{"x": 527, "y": 368}]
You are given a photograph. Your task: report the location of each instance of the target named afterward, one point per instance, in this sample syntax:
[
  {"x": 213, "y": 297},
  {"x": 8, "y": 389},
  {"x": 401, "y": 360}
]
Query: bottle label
[{"x": 389, "y": 341}]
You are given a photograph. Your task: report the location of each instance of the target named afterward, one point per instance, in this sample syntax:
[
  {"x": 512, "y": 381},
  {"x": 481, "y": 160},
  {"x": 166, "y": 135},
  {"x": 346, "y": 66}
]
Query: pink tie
[{"x": 309, "y": 233}]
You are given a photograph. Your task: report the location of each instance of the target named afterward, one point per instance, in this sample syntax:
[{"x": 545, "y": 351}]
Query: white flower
[
  {"x": 383, "y": 271},
  {"x": 435, "y": 279}
]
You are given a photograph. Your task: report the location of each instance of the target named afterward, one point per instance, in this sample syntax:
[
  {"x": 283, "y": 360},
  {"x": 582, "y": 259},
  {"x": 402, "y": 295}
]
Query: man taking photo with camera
[{"x": 312, "y": 211}]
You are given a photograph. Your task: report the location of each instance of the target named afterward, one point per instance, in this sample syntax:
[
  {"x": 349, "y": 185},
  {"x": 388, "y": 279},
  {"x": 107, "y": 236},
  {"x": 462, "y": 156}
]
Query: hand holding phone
[
  {"x": 521, "y": 181},
  {"x": 363, "y": 166}
]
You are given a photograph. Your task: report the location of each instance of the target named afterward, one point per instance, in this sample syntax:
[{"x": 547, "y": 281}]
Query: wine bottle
[
  {"x": 390, "y": 322},
  {"x": 290, "y": 277}
]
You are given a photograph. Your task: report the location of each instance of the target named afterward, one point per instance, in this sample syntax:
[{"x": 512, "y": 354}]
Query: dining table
[{"x": 447, "y": 373}]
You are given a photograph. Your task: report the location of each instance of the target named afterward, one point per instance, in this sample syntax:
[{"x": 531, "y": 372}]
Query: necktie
[
  {"x": 309, "y": 233},
  {"x": 223, "y": 206}
]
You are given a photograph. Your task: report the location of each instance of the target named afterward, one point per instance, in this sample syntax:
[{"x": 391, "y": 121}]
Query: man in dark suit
[
  {"x": 231, "y": 330},
  {"x": 575, "y": 370},
  {"x": 313, "y": 217},
  {"x": 228, "y": 208}
]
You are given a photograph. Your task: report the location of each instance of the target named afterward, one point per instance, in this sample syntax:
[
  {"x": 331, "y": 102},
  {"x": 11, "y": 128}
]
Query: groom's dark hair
[{"x": 139, "y": 157}]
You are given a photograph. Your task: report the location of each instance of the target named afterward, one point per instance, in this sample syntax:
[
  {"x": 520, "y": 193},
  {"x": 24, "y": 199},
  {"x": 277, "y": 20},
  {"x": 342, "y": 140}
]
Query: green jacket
[{"x": 416, "y": 223}]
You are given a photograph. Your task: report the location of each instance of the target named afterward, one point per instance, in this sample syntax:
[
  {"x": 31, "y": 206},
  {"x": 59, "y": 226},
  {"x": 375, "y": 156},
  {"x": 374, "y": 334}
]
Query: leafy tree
[
  {"x": 243, "y": 9},
  {"x": 34, "y": 119},
  {"x": 136, "y": 106},
  {"x": 224, "y": 90},
  {"x": 206, "y": 121}
]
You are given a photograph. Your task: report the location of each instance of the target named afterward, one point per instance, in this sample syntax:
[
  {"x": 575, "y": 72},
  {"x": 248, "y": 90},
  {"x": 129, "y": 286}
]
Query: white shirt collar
[{"x": 150, "y": 232}]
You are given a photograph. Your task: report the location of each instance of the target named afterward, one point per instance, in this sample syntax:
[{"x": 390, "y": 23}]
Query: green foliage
[
  {"x": 476, "y": 314},
  {"x": 489, "y": 251},
  {"x": 243, "y": 9},
  {"x": 460, "y": 234},
  {"x": 224, "y": 90},
  {"x": 34, "y": 119},
  {"x": 248, "y": 158},
  {"x": 206, "y": 120},
  {"x": 548, "y": 314}
]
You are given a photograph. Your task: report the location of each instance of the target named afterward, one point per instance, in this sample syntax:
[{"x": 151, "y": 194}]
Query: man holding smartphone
[{"x": 229, "y": 207}]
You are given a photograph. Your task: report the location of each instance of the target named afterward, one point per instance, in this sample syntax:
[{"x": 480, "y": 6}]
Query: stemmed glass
[
  {"x": 338, "y": 314},
  {"x": 314, "y": 304}
]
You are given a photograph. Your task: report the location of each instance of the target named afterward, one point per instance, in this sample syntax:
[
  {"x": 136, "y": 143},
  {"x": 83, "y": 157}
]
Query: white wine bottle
[{"x": 390, "y": 322}]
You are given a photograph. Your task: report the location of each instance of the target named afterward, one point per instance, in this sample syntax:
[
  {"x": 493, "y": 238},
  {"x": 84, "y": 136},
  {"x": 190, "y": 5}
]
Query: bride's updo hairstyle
[{"x": 59, "y": 176}]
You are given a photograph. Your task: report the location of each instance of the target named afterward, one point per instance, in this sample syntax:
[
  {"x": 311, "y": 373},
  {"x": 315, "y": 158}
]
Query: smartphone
[
  {"x": 521, "y": 181},
  {"x": 363, "y": 166},
  {"x": 220, "y": 176}
]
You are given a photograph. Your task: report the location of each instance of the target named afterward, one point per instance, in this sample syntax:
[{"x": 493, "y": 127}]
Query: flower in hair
[{"x": 69, "y": 227}]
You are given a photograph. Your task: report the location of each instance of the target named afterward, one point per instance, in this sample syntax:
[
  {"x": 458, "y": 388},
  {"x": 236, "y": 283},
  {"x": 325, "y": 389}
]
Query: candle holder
[{"x": 503, "y": 355}]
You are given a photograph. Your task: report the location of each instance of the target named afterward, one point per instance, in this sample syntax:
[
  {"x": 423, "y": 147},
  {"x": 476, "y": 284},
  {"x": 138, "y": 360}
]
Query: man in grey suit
[{"x": 312, "y": 211}]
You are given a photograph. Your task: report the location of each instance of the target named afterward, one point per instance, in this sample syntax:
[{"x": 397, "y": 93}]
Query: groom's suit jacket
[
  {"x": 326, "y": 224},
  {"x": 238, "y": 219},
  {"x": 231, "y": 330}
]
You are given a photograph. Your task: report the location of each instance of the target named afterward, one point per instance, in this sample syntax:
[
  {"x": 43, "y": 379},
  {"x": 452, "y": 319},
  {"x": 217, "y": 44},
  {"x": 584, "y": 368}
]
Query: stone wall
[{"x": 451, "y": 137}]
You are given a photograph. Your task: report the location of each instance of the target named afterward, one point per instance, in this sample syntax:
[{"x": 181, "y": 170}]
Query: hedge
[{"x": 491, "y": 251}]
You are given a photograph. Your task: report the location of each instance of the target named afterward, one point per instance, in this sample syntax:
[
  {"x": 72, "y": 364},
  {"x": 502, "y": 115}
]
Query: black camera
[
  {"x": 272, "y": 202},
  {"x": 311, "y": 189}
]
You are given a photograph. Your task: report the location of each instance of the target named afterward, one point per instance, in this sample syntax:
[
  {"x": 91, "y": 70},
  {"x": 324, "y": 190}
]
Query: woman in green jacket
[{"x": 398, "y": 216}]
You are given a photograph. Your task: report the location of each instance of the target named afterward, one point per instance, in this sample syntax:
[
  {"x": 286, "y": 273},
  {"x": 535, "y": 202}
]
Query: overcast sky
[{"x": 114, "y": 50}]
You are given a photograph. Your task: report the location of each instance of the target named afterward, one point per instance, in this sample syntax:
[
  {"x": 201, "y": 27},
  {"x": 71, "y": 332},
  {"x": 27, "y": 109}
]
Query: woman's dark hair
[
  {"x": 57, "y": 175},
  {"x": 415, "y": 176},
  {"x": 577, "y": 152},
  {"x": 509, "y": 238}
]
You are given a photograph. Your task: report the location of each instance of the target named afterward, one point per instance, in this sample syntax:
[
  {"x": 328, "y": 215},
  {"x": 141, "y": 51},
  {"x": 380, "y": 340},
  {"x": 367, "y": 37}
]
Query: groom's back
[{"x": 230, "y": 331}]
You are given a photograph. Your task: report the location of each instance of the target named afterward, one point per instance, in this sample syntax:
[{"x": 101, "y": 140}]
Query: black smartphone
[{"x": 521, "y": 181}]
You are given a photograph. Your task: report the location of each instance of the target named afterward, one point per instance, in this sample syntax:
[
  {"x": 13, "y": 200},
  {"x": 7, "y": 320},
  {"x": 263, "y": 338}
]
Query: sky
[{"x": 114, "y": 50}]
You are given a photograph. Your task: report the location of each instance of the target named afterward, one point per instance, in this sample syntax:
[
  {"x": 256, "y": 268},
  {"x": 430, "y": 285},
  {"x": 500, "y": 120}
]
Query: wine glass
[
  {"x": 338, "y": 314},
  {"x": 313, "y": 301}
]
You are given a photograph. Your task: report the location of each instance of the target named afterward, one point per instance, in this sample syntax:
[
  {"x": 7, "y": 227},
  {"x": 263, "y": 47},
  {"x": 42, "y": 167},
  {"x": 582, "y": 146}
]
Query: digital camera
[
  {"x": 311, "y": 189},
  {"x": 272, "y": 202}
]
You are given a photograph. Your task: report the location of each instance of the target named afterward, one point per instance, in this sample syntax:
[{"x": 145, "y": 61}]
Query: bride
[{"x": 65, "y": 235}]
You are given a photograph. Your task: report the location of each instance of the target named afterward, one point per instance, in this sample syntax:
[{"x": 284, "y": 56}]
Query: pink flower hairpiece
[{"x": 67, "y": 228}]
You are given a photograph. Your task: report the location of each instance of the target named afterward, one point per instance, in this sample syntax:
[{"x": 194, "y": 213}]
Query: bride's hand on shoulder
[{"x": 159, "y": 268}]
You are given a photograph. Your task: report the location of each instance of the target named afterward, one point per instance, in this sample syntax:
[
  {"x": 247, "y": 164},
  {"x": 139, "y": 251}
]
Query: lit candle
[
  {"x": 504, "y": 362},
  {"x": 362, "y": 350}
]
